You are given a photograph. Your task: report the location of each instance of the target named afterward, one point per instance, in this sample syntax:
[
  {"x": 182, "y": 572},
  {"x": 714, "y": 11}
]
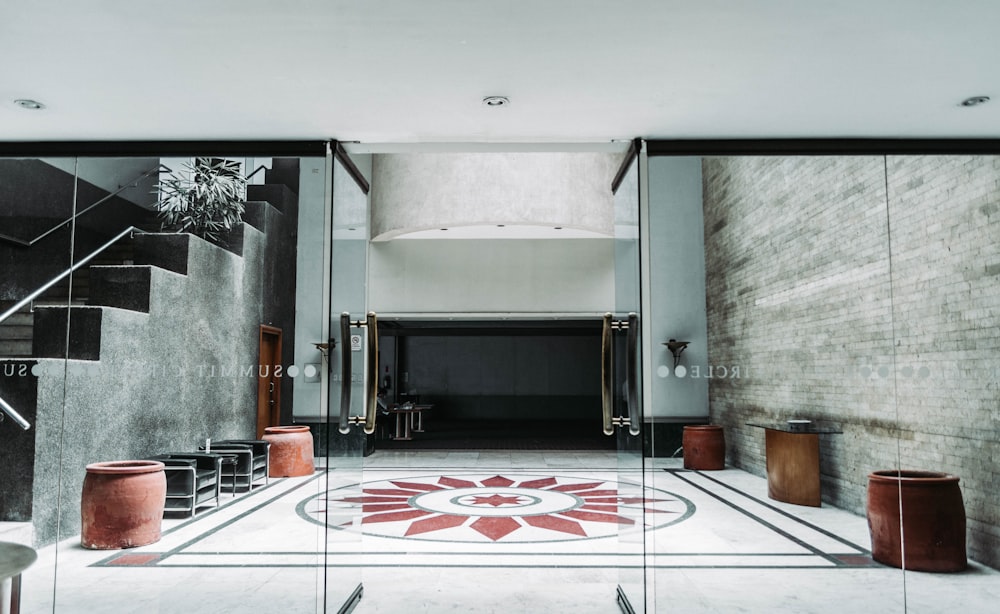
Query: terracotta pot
[
  {"x": 933, "y": 519},
  {"x": 291, "y": 451},
  {"x": 122, "y": 504},
  {"x": 704, "y": 447}
]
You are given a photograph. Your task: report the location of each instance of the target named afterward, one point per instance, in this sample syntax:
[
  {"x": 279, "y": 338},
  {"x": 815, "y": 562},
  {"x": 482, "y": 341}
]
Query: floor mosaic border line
[
  {"x": 181, "y": 556},
  {"x": 762, "y": 522},
  {"x": 782, "y": 512}
]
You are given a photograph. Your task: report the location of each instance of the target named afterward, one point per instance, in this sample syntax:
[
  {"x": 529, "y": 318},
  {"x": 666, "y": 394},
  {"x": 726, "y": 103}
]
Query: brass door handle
[
  {"x": 607, "y": 402},
  {"x": 345, "y": 373},
  {"x": 634, "y": 416},
  {"x": 371, "y": 400}
]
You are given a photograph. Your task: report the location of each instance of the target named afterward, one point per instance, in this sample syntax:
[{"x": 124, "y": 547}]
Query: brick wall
[{"x": 882, "y": 320}]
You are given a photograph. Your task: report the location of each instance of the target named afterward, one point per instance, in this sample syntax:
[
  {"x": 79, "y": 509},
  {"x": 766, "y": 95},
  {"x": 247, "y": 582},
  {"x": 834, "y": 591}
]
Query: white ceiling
[{"x": 576, "y": 71}]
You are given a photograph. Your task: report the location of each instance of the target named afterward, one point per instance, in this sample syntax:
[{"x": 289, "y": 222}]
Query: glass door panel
[
  {"x": 36, "y": 201},
  {"x": 799, "y": 324},
  {"x": 353, "y": 357},
  {"x": 622, "y": 331},
  {"x": 166, "y": 368}
]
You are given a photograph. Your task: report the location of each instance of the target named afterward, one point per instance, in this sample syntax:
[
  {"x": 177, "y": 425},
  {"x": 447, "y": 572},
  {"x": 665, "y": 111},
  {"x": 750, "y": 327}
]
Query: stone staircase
[
  {"x": 109, "y": 277},
  {"x": 109, "y": 299},
  {"x": 17, "y": 332}
]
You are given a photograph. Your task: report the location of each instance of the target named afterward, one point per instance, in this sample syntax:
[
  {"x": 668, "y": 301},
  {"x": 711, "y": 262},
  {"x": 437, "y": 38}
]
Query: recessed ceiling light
[
  {"x": 975, "y": 101},
  {"x": 496, "y": 101},
  {"x": 27, "y": 103}
]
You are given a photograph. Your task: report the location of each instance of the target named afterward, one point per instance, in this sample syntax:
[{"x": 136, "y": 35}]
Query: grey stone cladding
[{"x": 862, "y": 291}]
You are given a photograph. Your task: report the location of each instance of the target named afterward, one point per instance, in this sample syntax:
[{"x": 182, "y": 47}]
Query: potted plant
[{"x": 205, "y": 199}]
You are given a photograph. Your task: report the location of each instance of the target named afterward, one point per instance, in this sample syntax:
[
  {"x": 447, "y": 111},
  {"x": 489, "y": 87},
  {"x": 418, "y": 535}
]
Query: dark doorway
[{"x": 518, "y": 385}]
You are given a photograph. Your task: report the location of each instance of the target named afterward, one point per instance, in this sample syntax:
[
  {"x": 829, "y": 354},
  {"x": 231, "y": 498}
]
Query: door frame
[{"x": 268, "y": 398}]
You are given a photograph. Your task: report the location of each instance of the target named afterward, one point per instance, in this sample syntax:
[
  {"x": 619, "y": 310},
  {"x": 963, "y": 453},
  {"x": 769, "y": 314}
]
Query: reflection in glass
[
  {"x": 157, "y": 345},
  {"x": 842, "y": 290}
]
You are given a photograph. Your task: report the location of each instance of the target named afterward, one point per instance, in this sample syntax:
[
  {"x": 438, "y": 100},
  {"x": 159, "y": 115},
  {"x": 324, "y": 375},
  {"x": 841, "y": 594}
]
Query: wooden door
[{"x": 269, "y": 373}]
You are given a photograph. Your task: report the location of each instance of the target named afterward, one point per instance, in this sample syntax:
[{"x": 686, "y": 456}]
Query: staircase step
[
  {"x": 125, "y": 287},
  {"x": 255, "y": 214},
  {"x": 85, "y": 333},
  {"x": 279, "y": 195},
  {"x": 20, "y": 318},
  {"x": 15, "y": 332},
  {"x": 284, "y": 171},
  {"x": 165, "y": 250},
  {"x": 15, "y": 348}
]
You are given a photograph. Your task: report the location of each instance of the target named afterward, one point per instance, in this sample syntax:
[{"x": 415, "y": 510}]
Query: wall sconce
[
  {"x": 324, "y": 348},
  {"x": 676, "y": 348}
]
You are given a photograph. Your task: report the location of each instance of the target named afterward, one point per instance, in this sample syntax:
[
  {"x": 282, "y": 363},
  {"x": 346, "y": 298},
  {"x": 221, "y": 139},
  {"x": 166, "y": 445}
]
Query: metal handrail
[
  {"x": 26, "y": 300},
  {"x": 255, "y": 171},
  {"x": 153, "y": 171},
  {"x": 4, "y": 406},
  {"x": 16, "y": 417}
]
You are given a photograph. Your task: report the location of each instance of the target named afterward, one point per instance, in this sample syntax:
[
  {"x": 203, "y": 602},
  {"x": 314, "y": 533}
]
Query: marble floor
[{"x": 501, "y": 531}]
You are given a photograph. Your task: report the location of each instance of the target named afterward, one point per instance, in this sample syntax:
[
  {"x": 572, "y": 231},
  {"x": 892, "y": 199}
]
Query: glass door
[
  {"x": 143, "y": 481},
  {"x": 353, "y": 369},
  {"x": 621, "y": 386}
]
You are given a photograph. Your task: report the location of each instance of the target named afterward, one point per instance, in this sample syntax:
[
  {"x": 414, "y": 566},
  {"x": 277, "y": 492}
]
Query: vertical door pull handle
[
  {"x": 607, "y": 404},
  {"x": 345, "y": 373},
  {"x": 632, "y": 362},
  {"x": 371, "y": 400}
]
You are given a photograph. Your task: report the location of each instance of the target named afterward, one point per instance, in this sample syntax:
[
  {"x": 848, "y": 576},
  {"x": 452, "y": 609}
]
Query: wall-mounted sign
[{"x": 355, "y": 343}]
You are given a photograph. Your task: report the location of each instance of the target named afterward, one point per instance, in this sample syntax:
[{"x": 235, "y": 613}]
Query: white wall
[
  {"x": 675, "y": 280},
  {"x": 574, "y": 276}
]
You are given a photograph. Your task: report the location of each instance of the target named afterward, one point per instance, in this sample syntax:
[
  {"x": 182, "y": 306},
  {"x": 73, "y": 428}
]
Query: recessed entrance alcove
[{"x": 496, "y": 384}]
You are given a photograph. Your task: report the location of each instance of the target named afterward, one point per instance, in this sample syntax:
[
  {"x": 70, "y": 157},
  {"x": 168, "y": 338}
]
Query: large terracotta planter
[
  {"x": 704, "y": 447},
  {"x": 291, "y": 451},
  {"x": 121, "y": 505},
  {"x": 933, "y": 520}
]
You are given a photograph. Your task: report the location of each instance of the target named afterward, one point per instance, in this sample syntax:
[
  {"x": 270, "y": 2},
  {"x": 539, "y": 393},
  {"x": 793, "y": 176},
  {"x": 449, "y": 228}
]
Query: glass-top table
[{"x": 808, "y": 426}]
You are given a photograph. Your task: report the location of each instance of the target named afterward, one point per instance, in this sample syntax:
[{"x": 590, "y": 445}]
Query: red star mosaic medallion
[{"x": 498, "y": 508}]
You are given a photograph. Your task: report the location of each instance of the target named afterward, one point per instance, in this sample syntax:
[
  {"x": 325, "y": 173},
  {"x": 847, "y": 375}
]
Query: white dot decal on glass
[
  {"x": 923, "y": 372},
  {"x": 680, "y": 371},
  {"x": 292, "y": 371},
  {"x": 883, "y": 372},
  {"x": 309, "y": 371},
  {"x": 663, "y": 371}
]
